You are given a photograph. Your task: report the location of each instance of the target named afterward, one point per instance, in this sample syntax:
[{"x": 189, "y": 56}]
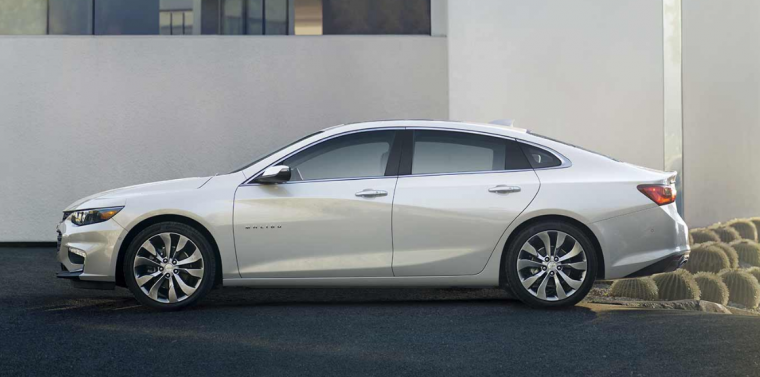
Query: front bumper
[{"x": 97, "y": 242}]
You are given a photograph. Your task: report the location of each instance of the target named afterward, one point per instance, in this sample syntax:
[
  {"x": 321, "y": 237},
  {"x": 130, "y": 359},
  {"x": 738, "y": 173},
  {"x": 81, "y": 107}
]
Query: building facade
[{"x": 98, "y": 94}]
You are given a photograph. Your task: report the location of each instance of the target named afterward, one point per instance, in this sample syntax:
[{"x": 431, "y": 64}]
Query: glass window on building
[
  {"x": 362, "y": 17},
  {"x": 126, "y": 17},
  {"x": 72, "y": 17},
  {"x": 23, "y": 17}
]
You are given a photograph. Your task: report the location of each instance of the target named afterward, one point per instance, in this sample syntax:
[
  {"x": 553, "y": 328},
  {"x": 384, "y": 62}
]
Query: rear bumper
[
  {"x": 668, "y": 264},
  {"x": 654, "y": 239}
]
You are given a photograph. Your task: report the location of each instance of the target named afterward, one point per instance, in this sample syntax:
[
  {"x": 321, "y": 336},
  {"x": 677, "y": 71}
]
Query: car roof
[{"x": 428, "y": 123}]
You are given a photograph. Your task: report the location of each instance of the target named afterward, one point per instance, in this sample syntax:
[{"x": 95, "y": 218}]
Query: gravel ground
[{"x": 49, "y": 328}]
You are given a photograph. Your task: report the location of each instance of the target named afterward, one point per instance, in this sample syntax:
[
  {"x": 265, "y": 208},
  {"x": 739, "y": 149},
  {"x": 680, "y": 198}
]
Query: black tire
[
  {"x": 203, "y": 246},
  {"x": 514, "y": 281}
]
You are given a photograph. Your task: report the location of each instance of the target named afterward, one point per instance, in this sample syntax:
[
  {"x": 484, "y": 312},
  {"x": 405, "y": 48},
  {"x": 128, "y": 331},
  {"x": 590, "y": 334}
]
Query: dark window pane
[
  {"x": 188, "y": 29},
  {"x": 73, "y": 17},
  {"x": 277, "y": 17},
  {"x": 165, "y": 21},
  {"x": 178, "y": 23},
  {"x": 232, "y": 17},
  {"x": 255, "y": 13},
  {"x": 454, "y": 152},
  {"x": 357, "y": 155},
  {"x": 130, "y": 17},
  {"x": 23, "y": 17},
  {"x": 376, "y": 17},
  {"x": 540, "y": 158}
]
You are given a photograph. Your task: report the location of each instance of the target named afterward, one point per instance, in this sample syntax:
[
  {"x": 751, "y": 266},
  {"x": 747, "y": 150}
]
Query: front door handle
[
  {"x": 370, "y": 193},
  {"x": 504, "y": 189}
]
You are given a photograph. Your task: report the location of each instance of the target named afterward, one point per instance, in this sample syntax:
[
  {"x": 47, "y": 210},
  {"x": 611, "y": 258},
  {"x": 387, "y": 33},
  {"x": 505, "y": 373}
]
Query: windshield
[{"x": 275, "y": 151}]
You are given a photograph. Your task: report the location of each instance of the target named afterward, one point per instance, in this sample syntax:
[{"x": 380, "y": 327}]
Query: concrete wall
[
  {"x": 80, "y": 115},
  {"x": 721, "y": 109},
  {"x": 589, "y": 72}
]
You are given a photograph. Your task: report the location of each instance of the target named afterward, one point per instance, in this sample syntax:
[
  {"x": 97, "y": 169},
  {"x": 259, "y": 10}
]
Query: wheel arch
[
  {"x": 119, "y": 273},
  {"x": 553, "y": 217}
]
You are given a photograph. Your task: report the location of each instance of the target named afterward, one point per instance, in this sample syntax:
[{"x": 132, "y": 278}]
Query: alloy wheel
[
  {"x": 552, "y": 265},
  {"x": 168, "y": 267}
]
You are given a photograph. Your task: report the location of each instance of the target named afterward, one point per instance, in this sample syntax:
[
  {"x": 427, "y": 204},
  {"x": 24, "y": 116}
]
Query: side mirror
[{"x": 274, "y": 174}]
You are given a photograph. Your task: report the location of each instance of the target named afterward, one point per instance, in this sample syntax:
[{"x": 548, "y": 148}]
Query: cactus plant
[
  {"x": 733, "y": 257},
  {"x": 727, "y": 234},
  {"x": 754, "y": 271},
  {"x": 756, "y": 222},
  {"x": 676, "y": 285},
  {"x": 748, "y": 251},
  {"x": 743, "y": 288},
  {"x": 746, "y": 229},
  {"x": 708, "y": 258},
  {"x": 641, "y": 288},
  {"x": 702, "y": 235},
  {"x": 712, "y": 288}
]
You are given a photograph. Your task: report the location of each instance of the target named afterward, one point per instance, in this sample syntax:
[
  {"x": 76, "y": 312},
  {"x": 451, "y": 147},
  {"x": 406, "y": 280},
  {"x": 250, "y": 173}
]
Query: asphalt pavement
[{"x": 48, "y": 328}]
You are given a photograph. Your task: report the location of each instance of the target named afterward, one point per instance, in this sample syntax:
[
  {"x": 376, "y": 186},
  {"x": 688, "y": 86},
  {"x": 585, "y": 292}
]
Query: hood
[{"x": 118, "y": 196}]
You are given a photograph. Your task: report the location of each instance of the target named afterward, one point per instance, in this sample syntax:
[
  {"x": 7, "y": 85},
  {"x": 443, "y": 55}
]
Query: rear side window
[
  {"x": 458, "y": 152},
  {"x": 540, "y": 158}
]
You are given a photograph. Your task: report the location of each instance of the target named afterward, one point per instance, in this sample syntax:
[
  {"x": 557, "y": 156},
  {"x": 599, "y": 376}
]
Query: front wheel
[
  {"x": 169, "y": 266},
  {"x": 550, "y": 264}
]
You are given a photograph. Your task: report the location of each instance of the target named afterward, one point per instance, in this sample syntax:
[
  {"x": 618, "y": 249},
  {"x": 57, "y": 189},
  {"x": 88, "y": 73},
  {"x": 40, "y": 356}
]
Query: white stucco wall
[
  {"x": 721, "y": 109},
  {"x": 589, "y": 72},
  {"x": 79, "y": 115}
]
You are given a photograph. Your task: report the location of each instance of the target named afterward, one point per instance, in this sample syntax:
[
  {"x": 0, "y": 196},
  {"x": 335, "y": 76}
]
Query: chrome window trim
[
  {"x": 565, "y": 162},
  {"x": 249, "y": 182}
]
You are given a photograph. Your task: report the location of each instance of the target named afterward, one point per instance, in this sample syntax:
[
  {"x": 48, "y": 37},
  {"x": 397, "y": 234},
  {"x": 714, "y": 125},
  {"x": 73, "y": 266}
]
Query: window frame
[
  {"x": 391, "y": 169},
  {"x": 405, "y": 170}
]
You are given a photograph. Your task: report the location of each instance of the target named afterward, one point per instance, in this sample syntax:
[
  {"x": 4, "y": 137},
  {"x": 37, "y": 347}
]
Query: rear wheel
[
  {"x": 169, "y": 266},
  {"x": 550, "y": 264}
]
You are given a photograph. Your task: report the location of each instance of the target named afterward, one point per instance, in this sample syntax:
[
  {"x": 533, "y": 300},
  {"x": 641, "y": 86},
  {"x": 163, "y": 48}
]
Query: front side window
[
  {"x": 357, "y": 155},
  {"x": 455, "y": 152}
]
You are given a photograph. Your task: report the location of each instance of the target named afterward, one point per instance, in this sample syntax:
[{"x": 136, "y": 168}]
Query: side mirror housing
[{"x": 274, "y": 174}]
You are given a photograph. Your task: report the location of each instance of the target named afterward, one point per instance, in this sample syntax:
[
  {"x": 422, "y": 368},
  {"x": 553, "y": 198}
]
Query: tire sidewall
[
  {"x": 209, "y": 264},
  {"x": 509, "y": 264}
]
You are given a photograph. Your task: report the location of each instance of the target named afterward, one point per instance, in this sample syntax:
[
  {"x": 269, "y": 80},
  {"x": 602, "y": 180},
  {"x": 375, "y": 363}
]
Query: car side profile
[{"x": 385, "y": 204}]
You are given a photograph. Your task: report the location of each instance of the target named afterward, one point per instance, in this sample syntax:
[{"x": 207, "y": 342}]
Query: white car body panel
[
  {"x": 447, "y": 225},
  {"x": 314, "y": 229},
  {"x": 416, "y": 238}
]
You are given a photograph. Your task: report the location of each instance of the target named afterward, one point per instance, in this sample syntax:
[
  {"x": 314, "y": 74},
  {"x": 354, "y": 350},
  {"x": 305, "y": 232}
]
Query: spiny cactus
[
  {"x": 746, "y": 229},
  {"x": 676, "y": 285},
  {"x": 733, "y": 257},
  {"x": 707, "y": 258},
  {"x": 727, "y": 234},
  {"x": 743, "y": 288},
  {"x": 641, "y": 288},
  {"x": 748, "y": 251},
  {"x": 754, "y": 271},
  {"x": 712, "y": 288},
  {"x": 756, "y": 222},
  {"x": 702, "y": 235}
]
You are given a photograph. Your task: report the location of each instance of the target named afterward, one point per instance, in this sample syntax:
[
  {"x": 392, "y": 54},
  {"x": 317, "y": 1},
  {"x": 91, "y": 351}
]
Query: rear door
[{"x": 456, "y": 195}]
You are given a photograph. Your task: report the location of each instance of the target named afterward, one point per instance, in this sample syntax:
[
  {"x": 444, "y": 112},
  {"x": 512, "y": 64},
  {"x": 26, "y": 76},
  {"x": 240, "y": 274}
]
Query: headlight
[{"x": 93, "y": 216}]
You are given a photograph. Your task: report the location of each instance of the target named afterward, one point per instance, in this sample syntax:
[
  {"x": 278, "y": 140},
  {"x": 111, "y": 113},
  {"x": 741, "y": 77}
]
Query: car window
[
  {"x": 540, "y": 158},
  {"x": 454, "y": 152},
  {"x": 274, "y": 151},
  {"x": 356, "y": 155}
]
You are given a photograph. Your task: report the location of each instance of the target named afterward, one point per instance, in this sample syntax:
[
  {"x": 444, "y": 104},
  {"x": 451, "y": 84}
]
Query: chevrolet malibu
[{"x": 384, "y": 204}]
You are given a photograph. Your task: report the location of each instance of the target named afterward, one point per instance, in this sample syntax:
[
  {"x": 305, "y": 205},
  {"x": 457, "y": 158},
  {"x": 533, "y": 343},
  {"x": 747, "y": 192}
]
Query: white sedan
[{"x": 385, "y": 204}]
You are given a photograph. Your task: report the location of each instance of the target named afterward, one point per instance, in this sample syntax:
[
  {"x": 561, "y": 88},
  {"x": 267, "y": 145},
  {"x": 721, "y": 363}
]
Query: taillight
[{"x": 660, "y": 194}]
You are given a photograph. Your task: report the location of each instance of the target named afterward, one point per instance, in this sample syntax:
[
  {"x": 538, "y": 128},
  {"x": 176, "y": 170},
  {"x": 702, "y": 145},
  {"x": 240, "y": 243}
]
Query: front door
[
  {"x": 456, "y": 200},
  {"x": 333, "y": 219}
]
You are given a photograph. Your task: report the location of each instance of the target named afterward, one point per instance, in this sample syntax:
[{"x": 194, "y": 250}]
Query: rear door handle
[
  {"x": 369, "y": 193},
  {"x": 504, "y": 189}
]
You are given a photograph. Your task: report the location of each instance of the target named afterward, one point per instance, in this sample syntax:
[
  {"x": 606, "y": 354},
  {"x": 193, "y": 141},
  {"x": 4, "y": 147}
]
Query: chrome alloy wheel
[
  {"x": 552, "y": 265},
  {"x": 168, "y": 268}
]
